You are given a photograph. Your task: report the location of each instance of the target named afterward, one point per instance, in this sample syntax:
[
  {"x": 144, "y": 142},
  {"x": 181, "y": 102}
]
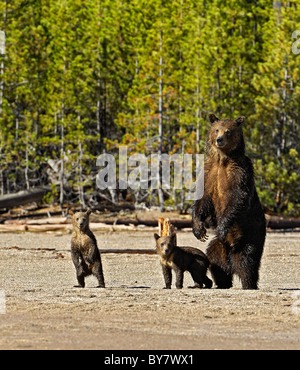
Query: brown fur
[
  {"x": 85, "y": 253},
  {"x": 231, "y": 205},
  {"x": 181, "y": 259}
]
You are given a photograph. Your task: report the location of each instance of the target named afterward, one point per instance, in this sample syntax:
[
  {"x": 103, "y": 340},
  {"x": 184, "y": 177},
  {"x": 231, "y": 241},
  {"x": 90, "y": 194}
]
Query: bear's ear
[
  {"x": 213, "y": 118},
  {"x": 156, "y": 236},
  {"x": 88, "y": 212},
  {"x": 71, "y": 213},
  {"x": 173, "y": 237},
  {"x": 239, "y": 121}
]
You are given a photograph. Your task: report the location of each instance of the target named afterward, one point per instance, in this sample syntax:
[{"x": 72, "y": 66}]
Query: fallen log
[
  {"x": 13, "y": 228},
  {"x": 102, "y": 251},
  {"x": 46, "y": 228},
  {"x": 23, "y": 197},
  {"x": 179, "y": 224},
  {"x": 63, "y": 223},
  {"x": 128, "y": 251},
  {"x": 42, "y": 221},
  {"x": 274, "y": 223},
  {"x": 115, "y": 207},
  {"x": 63, "y": 227}
]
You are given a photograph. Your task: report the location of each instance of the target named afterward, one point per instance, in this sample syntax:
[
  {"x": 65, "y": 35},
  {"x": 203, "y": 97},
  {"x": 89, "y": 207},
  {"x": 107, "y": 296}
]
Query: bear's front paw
[{"x": 200, "y": 233}]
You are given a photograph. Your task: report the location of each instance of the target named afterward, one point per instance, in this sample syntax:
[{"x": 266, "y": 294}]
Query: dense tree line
[{"x": 82, "y": 77}]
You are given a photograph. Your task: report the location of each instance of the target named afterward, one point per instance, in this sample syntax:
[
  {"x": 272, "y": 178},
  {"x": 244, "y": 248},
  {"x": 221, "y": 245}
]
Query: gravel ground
[{"x": 44, "y": 311}]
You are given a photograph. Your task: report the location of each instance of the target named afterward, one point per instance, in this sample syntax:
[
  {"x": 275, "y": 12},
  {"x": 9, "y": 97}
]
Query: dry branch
[{"x": 23, "y": 197}]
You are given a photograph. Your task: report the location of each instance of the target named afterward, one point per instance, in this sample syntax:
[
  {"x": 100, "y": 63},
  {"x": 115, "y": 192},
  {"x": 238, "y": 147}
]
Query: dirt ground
[{"x": 44, "y": 311}]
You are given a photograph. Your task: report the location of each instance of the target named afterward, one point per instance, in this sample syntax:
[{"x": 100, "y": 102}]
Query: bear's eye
[
  {"x": 228, "y": 132},
  {"x": 77, "y": 219},
  {"x": 217, "y": 131}
]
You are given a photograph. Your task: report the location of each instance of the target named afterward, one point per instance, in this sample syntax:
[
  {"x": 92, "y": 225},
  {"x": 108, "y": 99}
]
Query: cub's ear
[
  {"x": 213, "y": 118},
  {"x": 156, "y": 236},
  {"x": 173, "y": 236},
  {"x": 88, "y": 212},
  {"x": 239, "y": 121}
]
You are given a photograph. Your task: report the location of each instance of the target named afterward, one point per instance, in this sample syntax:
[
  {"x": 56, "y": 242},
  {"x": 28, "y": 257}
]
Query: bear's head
[
  {"x": 165, "y": 244},
  {"x": 226, "y": 135},
  {"x": 81, "y": 220}
]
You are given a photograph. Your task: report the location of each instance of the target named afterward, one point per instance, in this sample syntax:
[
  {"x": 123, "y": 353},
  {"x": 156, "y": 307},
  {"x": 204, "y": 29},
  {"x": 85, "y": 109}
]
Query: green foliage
[{"x": 82, "y": 77}]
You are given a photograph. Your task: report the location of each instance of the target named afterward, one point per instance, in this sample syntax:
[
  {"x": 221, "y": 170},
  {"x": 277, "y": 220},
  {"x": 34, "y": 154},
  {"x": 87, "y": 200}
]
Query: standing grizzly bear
[
  {"x": 84, "y": 251},
  {"x": 231, "y": 204}
]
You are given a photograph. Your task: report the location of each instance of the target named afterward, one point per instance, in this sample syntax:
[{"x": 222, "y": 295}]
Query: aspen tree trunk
[
  {"x": 198, "y": 92},
  {"x": 282, "y": 120},
  {"x": 101, "y": 101},
  {"x": 99, "y": 86},
  {"x": 1, "y": 176},
  {"x": 277, "y": 5},
  {"x": 62, "y": 149},
  {"x": 2, "y": 94},
  {"x": 27, "y": 168},
  {"x": 2, "y": 60},
  {"x": 161, "y": 103},
  {"x": 62, "y": 158},
  {"x": 80, "y": 171}
]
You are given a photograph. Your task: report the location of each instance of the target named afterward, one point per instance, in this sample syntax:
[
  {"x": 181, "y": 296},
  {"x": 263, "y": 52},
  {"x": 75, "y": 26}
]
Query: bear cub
[
  {"x": 181, "y": 259},
  {"x": 84, "y": 250}
]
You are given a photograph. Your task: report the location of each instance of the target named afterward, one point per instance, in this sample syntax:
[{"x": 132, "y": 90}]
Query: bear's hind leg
[
  {"x": 167, "y": 272},
  {"x": 207, "y": 282},
  {"x": 97, "y": 271},
  {"x": 81, "y": 283},
  {"x": 219, "y": 264},
  {"x": 81, "y": 273},
  {"x": 198, "y": 274},
  {"x": 247, "y": 270},
  {"x": 222, "y": 279},
  {"x": 179, "y": 277},
  {"x": 249, "y": 284}
]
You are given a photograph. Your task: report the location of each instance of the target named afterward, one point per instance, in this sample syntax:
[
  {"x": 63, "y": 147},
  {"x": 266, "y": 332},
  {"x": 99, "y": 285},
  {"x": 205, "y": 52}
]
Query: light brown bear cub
[
  {"x": 84, "y": 250},
  {"x": 181, "y": 259}
]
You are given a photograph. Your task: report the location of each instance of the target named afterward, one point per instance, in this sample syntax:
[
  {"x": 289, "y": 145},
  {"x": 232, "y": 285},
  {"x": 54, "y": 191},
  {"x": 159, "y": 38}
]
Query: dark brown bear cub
[
  {"x": 84, "y": 251},
  {"x": 181, "y": 259},
  {"x": 231, "y": 204}
]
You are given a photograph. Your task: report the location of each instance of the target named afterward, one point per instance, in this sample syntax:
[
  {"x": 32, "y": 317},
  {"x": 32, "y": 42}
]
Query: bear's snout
[{"x": 220, "y": 141}]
